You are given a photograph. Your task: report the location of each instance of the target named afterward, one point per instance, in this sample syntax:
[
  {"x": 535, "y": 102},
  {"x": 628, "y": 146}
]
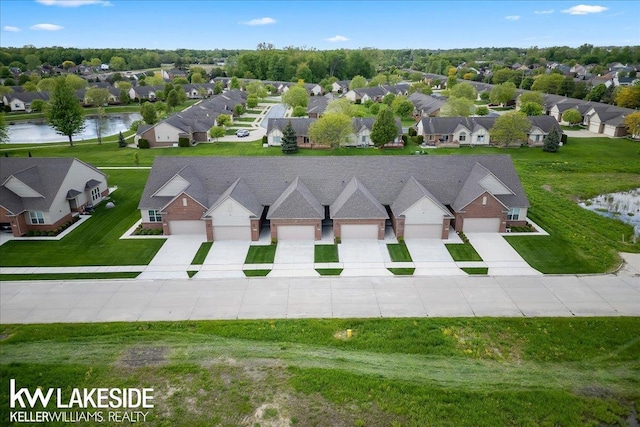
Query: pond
[
  {"x": 39, "y": 131},
  {"x": 624, "y": 206}
]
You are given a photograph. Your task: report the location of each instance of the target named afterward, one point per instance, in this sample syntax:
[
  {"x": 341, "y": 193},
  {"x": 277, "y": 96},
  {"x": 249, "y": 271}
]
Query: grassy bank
[{"x": 401, "y": 372}]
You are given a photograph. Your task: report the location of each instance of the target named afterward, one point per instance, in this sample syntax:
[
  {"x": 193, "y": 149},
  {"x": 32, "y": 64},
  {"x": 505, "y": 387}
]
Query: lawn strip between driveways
[
  {"x": 399, "y": 252},
  {"x": 261, "y": 254},
  {"x": 326, "y": 253},
  {"x": 329, "y": 271},
  {"x": 202, "y": 253},
  {"x": 463, "y": 252},
  {"x": 70, "y": 276},
  {"x": 402, "y": 271}
]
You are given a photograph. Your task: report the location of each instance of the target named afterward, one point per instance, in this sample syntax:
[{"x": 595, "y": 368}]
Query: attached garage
[
  {"x": 481, "y": 225},
  {"x": 188, "y": 227},
  {"x": 594, "y": 126},
  {"x": 232, "y": 233},
  {"x": 423, "y": 231},
  {"x": 296, "y": 232},
  {"x": 358, "y": 231}
]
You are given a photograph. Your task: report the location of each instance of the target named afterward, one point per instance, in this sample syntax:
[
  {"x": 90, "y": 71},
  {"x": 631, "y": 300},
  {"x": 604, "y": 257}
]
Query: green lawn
[
  {"x": 329, "y": 271},
  {"x": 261, "y": 254},
  {"x": 201, "y": 255},
  {"x": 475, "y": 270},
  {"x": 256, "y": 273},
  {"x": 463, "y": 252},
  {"x": 70, "y": 276},
  {"x": 96, "y": 241},
  {"x": 390, "y": 372},
  {"x": 399, "y": 252},
  {"x": 402, "y": 271},
  {"x": 326, "y": 253}
]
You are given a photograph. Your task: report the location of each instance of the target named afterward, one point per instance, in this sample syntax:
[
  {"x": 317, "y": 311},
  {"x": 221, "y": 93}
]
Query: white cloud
[
  {"x": 260, "y": 21},
  {"x": 337, "y": 38},
  {"x": 512, "y": 17},
  {"x": 11, "y": 29},
  {"x": 73, "y": 3},
  {"x": 544, "y": 12},
  {"x": 47, "y": 27},
  {"x": 583, "y": 9}
]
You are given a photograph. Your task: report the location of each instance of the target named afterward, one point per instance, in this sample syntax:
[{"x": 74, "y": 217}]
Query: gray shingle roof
[
  {"x": 45, "y": 175},
  {"x": 296, "y": 202},
  {"x": 356, "y": 201},
  {"x": 411, "y": 193},
  {"x": 241, "y": 193},
  {"x": 326, "y": 177}
]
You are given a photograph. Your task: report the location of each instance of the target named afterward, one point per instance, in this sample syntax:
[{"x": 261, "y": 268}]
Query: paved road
[{"x": 344, "y": 297}]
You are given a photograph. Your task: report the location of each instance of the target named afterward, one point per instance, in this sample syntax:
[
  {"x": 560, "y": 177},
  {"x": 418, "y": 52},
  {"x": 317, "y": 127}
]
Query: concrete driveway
[
  {"x": 366, "y": 257},
  {"x": 174, "y": 258},
  {"x": 500, "y": 256},
  {"x": 225, "y": 259},
  {"x": 431, "y": 257},
  {"x": 294, "y": 259}
]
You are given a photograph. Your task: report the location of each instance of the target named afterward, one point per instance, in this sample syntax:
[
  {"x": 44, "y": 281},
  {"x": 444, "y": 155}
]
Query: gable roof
[
  {"x": 326, "y": 177},
  {"x": 296, "y": 202},
  {"x": 241, "y": 193},
  {"x": 356, "y": 201},
  {"x": 411, "y": 193},
  {"x": 472, "y": 189}
]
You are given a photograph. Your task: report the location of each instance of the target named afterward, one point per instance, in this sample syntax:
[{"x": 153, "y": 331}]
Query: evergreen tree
[
  {"x": 289, "y": 139},
  {"x": 64, "y": 112},
  {"x": 384, "y": 129},
  {"x": 121, "y": 141},
  {"x": 552, "y": 141}
]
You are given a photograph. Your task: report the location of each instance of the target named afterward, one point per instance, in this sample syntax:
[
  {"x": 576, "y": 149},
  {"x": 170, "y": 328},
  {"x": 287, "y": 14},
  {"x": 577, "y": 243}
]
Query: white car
[{"x": 241, "y": 133}]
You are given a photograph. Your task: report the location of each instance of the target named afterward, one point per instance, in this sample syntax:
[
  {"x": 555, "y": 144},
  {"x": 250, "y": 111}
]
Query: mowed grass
[
  {"x": 96, "y": 241},
  {"x": 261, "y": 254},
  {"x": 70, "y": 276},
  {"x": 463, "y": 252},
  {"x": 405, "y": 372},
  {"x": 325, "y": 253},
  {"x": 202, "y": 253},
  {"x": 399, "y": 252}
]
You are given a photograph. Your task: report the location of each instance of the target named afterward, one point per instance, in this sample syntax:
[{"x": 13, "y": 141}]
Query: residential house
[
  {"x": 456, "y": 131},
  {"x": 42, "y": 194},
  {"x": 173, "y": 73},
  {"x": 295, "y": 198},
  {"x": 21, "y": 101},
  {"x": 317, "y": 105},
  {"x": 607, "y": 119},
  {"x": 341, "y": 86},
  {"x": 363, "y": 94},
  {"x": 361, "y": 136},
  {"x": 426, "y": 105},
  {"x": 148, "y": 93}
]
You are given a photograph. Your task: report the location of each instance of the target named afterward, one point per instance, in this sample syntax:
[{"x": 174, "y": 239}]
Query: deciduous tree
[
  {"x": 503, "y": 93},
  {"x": 531, "y": 109},
  {"x": 402, "y": 106},
  {"x": 384, "y": 128},
  {"x": 64, "y": 113},
  {"x": 572, "y": 116},
  {"x": 296, "y": 96},
  {"x": 343, "y": 106},
  {"x": 457, "y": 107},
  {"x": 224, "y": 120},
  {"x": 531, "y": 97},
  {"x": 217, "y": 132},
  {"x": 331, "y": 129},
  {"x": 463, "y": 90},
  {"x": 632, "y": 123},
  {"x": 357, "y": 82},
  {"x": 4, "y": 133},
  {"x": 149, "y": 113},
  {"x": 628, "y": 97},
  {"x": 510, "y": 128}
]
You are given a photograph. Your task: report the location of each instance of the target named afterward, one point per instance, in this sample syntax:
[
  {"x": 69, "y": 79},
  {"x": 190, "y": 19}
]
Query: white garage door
[
  {"x": 481, "y": 225},
  {"x": 296, "y": 232},
  {"x": 232, "y": 233},
  {"x": 359, "y": 231},
  {"x": 594, "y": 127},
  {"x": 187, "y": 227},
  {"x": 609, "y": 130},
  {"x": 423, "y": 231}
]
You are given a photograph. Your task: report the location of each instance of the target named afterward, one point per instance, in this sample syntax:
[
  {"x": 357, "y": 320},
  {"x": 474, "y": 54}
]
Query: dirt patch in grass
[
  {"x": 547, "y": 187},
  {"x": 138, "y": 357}
]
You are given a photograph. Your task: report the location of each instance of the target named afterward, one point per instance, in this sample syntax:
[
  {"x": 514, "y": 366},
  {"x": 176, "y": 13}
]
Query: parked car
[{"x": 241, "y": 133}]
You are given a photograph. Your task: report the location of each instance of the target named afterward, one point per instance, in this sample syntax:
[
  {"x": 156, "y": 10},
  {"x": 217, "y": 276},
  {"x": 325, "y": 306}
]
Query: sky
[{"x": 160, "y": 24}]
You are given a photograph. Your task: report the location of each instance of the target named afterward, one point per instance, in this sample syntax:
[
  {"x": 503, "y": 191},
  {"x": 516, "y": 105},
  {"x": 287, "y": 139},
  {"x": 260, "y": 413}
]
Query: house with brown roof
[
  {"x": 295, "y": 198},
  {"x": 41, "y": 194}
]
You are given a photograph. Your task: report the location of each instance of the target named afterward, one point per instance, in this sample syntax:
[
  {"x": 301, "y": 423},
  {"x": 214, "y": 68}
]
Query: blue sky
[{"x": 158, "y": 24}]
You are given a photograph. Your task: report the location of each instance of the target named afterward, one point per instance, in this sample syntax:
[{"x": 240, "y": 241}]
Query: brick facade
[
  {"x": 476, "y": 209},
  {"x": 317, "y": 223},
  {"x": 182, "y": 208},
  {"x": 337, "y": 224}
]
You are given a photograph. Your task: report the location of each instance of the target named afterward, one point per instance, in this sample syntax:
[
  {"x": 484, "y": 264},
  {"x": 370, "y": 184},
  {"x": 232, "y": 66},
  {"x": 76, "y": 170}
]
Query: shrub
[
  {"x": 252, "y": 102},
  {"x": 183, "y": 142},
  {"x": 368, "y": 103},
  {"x": 143, "y": 143},
  {"x": 375, "y": 109},
  {"x": 135, "y": 124},
  {"x": 405, "y": 138},
  {"x": 412, "y": 131},
  {"x": 299, "y": 111},
  {"x": 51, "y": 233},
  {"x": 265, "y": 139},
  {"x": 419, "y": 139},
  {"x": 239, "y": 110}
]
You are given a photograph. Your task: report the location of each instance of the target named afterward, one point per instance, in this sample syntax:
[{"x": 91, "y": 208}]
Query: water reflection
[
  {"x": 39, "y": 131},
  {"x": 624, "y": 206}
]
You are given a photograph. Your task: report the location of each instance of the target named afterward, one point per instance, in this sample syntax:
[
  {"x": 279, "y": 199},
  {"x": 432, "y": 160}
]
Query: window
[
  {"x": 95, "y": 194},
  {"x": 364, "y": 139},
  {"x": 432, "y": 137},
  {"x": 277, "y": 139},
  {"x": 463, "y": 136},
  {"x": 537, "y": 138},
  {"x": 513, "y": 214},
  {"x": 480, "y": 138},
  {"x": 36, "y": 217},
  {"x": 154, "y": 216},
  {"x": 484, "y": 200}
]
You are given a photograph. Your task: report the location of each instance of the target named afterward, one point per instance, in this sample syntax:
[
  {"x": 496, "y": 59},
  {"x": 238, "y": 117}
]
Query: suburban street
[{"x": 344, "y": 297}]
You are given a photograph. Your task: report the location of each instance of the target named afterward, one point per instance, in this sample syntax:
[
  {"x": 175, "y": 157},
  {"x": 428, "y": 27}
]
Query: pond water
[
  {"x": 39, "y": 131},
  {"x": 624, "y": 206}
]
